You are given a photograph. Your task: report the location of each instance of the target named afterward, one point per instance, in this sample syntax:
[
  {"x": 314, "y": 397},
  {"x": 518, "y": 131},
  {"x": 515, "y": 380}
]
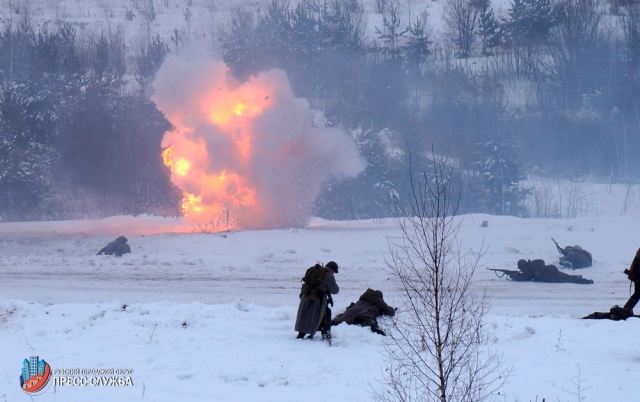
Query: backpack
[{"x": 314, "y": 275}]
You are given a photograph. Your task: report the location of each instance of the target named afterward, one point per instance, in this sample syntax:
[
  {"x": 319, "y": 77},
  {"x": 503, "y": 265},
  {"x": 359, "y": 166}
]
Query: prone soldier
[{"x": 538, "y": 271}]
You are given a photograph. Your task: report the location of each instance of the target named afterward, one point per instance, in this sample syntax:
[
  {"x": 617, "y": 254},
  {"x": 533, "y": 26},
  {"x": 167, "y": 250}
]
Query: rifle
[
  {"x": 325, "y": 326},
  {"x": 508, "y": 272},
  {"x": 560, "y": 249},
  {"x": 632, "y": 276}
]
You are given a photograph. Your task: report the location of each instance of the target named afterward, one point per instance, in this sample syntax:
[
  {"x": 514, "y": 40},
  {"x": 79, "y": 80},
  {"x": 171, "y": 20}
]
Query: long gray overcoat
[{"x": 310, "y": 312}]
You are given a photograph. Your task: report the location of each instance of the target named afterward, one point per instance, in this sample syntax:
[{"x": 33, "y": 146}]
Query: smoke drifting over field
[{"x": 246, "y": 154}]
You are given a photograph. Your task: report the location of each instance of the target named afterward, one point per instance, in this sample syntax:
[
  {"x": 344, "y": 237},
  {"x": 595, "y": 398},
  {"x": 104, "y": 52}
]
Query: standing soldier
[
  {"x": 633, "y": 273},
  {"x": 319, "y": 284}
]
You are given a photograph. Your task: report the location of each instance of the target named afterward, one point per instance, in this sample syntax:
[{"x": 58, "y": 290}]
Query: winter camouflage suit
[{"x": 313, "y": 303}]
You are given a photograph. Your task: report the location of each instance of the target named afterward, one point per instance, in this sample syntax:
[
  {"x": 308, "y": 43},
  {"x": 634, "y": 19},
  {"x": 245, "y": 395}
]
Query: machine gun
[{"x": 560, "y": 249}]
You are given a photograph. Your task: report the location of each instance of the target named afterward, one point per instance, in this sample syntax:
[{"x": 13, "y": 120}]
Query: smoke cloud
[{"x": 246, "y": 154}]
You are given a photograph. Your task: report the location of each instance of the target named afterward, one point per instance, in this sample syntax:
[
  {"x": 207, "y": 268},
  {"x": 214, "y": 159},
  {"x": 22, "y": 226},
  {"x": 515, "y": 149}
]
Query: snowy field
[
  {"x": 201, "y": 316},
  {"x": 209, "y": 317}
]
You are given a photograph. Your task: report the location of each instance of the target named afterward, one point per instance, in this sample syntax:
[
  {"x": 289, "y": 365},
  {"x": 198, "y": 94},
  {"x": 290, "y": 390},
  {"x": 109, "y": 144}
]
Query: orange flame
[
  {"x": 245, "y": 155},
  {"x": 209, "y": 195}
]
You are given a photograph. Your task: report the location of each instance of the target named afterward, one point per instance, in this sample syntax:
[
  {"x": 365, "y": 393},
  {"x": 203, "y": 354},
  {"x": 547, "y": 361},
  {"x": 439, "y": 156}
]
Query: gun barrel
[
  {"x": 560, "y": 249},
  {"x": 504, "y": 271}
]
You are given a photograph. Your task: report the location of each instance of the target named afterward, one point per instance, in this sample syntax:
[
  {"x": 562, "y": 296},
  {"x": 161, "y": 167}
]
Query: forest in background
[{"x": 547, "y": 88}]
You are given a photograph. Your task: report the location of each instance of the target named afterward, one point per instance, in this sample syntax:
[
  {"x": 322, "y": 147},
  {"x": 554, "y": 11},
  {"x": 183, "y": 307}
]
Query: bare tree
[
  {"x": 380, "y": 6},
  {"x": 439, "y": 348},
  {"x": 577, "y": 36},
  {"x": 461, "y": 19}
]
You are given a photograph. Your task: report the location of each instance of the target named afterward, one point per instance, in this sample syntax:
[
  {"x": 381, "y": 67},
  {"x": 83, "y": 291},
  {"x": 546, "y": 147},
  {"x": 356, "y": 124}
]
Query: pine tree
[
  {"x": 497, "y": 164},
  {"x": 239, "y": 46},
  {"x": 418, "y": 46},
  {"x": 488, "y": 30},
  {"x": 391, "y": 34},
  {"x": 26, "y": 156},
  {"x": 150, "y": 57},
  {"x": 529, "y": 22}
]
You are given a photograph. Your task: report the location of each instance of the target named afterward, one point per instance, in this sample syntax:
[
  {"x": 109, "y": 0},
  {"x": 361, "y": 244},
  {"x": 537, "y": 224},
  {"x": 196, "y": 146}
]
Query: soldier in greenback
[{"x": 319, "y": 283}]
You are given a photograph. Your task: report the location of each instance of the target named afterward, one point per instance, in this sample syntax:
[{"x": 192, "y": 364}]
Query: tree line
[
  {"x": 74, "y": 142},
  {"x": 546, "y": 87}
]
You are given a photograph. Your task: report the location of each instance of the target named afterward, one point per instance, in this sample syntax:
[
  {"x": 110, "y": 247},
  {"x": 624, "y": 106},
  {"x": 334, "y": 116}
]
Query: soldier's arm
[
  {"x": 332, "y": 286},
  {"x": 388, "y": 310}
]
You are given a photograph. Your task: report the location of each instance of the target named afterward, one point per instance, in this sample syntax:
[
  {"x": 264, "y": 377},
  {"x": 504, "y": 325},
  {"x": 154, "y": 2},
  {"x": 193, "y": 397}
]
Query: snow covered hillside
[
  {"x": 201, "y": 316},
  {"x": 196, "y": 20}
]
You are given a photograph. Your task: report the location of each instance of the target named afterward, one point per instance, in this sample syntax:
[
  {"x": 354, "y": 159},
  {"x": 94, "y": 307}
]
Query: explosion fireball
[{"x": 246, "y": 155}]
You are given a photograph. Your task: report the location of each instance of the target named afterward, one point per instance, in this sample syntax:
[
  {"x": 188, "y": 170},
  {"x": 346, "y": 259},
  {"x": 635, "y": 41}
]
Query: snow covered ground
[{"x": 202, "y": 316}]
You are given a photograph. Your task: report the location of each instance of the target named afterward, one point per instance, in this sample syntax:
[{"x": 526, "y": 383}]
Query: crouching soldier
[
  {"x": 318, "y": 285},
  {"x": 366, "y": 311},
  {"x": 574, "y": 257},
  {"x": 117, "y": 247}
]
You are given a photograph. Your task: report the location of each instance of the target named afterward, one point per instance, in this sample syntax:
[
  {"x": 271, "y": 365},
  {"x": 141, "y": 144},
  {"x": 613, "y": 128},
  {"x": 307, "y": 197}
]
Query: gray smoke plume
[{"x": 250, "y": 150}]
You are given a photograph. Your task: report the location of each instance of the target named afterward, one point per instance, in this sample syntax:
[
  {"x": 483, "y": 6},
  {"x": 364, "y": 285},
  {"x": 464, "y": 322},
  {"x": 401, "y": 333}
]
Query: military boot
[
  {"x": 616, "y": 313},
  {"x": 629, "y": 305}
]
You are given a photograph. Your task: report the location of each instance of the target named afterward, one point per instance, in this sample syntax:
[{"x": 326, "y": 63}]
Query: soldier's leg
[
  {"x": 633, "y": 300},
  {"x": 325, "y": 326},
  {"x": 377, "y": 330}
]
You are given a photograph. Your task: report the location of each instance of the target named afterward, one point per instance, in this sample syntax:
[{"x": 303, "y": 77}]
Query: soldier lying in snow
[
  {"x": 366, "y": 311},
  {"x": 616, "y": 313},
  {"x": 574, "y": 257},
  {"x": 117, "y": 247},
  {"x": 537, "y": 271}
]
